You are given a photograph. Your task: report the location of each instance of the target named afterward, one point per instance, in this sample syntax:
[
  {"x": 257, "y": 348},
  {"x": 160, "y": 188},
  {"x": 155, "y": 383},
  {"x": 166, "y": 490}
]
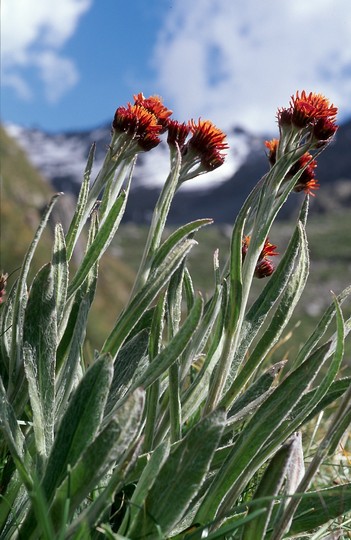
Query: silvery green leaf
[
  {"x": 141, "y": 301},
  {"x": 60, "y": 271},
  {"x": 20, "y": 302},
  {"x": 180, "y": 477},
  {"x": 39, "y": 348},
  {"x": 76, "y": 222},
  {"x": 279, "y": 468}
]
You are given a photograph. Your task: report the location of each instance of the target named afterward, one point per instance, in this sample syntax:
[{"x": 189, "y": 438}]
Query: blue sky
[{"x": 69, "y": 64}]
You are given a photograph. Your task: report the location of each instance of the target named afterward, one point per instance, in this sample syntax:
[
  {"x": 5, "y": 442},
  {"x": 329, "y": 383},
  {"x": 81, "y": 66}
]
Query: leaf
[
  {"x": 60, "y": 271},
  {"x": 67, "y": 375},
  {"x": 77, "y": 430},
  {"x": 77, "y": 221},
  {"x": 6, "y": 313},
  {"x": 197, "y": 392},
  {"x": 336, "y": 347},
  {"x": 80, "y": 422},
  {"x": 336, "y": 389},
  {"x": 288, "y": 301},
  {"x": 9, "y": 427},
  {"x": 21, "y": 302},
  {"x": 146, "y": 481},
  {"x": 173, "y": 350},
  {"x": 153, "y": 392},
  {"x": 174, "y": 239},
  {"x": 125, "y": 366},
  {"x": 103, "y": 452},
  {"x": 319, "y": 507},
  {"x": 223, "y": 531},
  {"x": 174, "y": 313},
  {"x": 145, "y": 296},
  {"x": 92, "y": 513},
  {"x": 198, "y": 343},
  {"x": 180, "y": 477},
  {"x": 78, "y": 307},
  {"x": 100, "y": 243},
  {"x": 256, "y": 389},
  {"x": 188, "y": 289},
  {"x": 269, "y": 486},
  {"x": 237, "y": 470},
  {"x": 261, "y": 307},
  {"x": 321, "y": 327},
  {"x": 39, "y": 352},
  {"x": 235, "y": 271}
]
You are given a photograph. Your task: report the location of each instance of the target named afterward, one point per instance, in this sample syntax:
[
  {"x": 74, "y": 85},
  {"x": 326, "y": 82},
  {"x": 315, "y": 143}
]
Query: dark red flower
[
  {"x": 307, "y": 181},
  {"x": 177, "y": 133},
  {"x": 264, "y": 266},
  {"x": 324, "y": 129},
  {"x": 208, "y": 142}
]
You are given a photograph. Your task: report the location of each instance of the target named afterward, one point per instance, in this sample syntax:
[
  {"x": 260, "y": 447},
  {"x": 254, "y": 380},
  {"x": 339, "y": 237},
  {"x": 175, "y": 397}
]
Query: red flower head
[
  {"x": 264, "y": 269},
  {"x": 208, "y": 142},
  {"x": 154, "y": 105},
  {"x": 177, "y": 133},
  {"x": 307, "y": 181},
  {"x": 268, "y": 250},
  {"x": 272, "y": 146},
  {"x": 323, "y": 130},
  {"x": 307, "y": 109},
  {"x": 204, "y": 150},
  {"x": 312, "y": 111},
  {"x": 138, "y": 122},
  {"x": 264, "y": 266}
]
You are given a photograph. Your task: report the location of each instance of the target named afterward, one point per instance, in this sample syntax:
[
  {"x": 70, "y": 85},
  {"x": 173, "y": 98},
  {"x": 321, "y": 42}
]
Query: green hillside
[{"x": 24, "y": 193}]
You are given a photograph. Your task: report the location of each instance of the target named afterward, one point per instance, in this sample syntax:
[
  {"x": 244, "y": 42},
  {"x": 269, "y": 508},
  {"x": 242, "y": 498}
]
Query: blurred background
[{"x": 66, "y": 66}]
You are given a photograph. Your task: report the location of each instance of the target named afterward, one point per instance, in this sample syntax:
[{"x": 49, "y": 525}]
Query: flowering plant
[{"x": 180, "y": 428}]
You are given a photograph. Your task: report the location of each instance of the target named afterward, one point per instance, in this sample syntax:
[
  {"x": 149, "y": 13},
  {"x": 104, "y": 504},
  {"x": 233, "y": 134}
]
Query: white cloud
[
  {"x": 33, "y": 33},
  {"x": 238, "y": 61},
  {"x": 58, "y": 74}
]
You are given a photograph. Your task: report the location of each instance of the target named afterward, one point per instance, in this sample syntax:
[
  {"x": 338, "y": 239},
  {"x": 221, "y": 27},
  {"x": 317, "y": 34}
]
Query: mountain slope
[
  {"x": 61, "y": 158},
  {"x": 24, "y": 193}
]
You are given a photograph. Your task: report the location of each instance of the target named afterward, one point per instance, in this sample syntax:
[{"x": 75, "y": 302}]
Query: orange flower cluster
[
  {"x": 154, "y": 105},
  {"x": 147, "y": 118},
  {"x": 312, "y": 111},
  {"x": 264, "y": 267},
  {"x": 307, "y": 181}
]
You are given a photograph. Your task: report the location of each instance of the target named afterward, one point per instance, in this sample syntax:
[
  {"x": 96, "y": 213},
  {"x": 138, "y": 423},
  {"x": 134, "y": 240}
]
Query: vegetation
[{"x": 183, "y": 424}]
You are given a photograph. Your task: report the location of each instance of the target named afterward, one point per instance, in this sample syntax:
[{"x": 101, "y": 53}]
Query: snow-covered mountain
[{"x": 61, "y": 158}]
